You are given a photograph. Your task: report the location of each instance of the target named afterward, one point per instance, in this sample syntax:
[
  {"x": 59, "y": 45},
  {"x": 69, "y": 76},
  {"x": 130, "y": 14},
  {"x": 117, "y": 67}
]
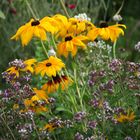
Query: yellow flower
[
  {"x": 13, "y": 70},
  {"x": 33, "y": 105},
  {"x": 50, "y": 66},
  {"x": 52, "y": 85},
  {"x": 40, "y": 109},
  {"x": 106, "y": 32},
  {"x": 29, "y": 65},
  {"x": 40, "y": 95},
  {"x": 130, "y": 116},
  {"x": 63, "y": 24},
  {"x": 125, "y": 117},
  {"x": 28, "y": 103},
  {"x": 78, "y": 26},
  {"x": 35, "y": 28},
  {"x": 70, "y": 44},
  {"x": 49, "y": 127},
  {"x": 15, "y": 106}
]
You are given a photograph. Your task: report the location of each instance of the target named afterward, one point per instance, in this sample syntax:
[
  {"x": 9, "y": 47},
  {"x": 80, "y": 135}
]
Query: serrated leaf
[{"x": 2, "y": 15}]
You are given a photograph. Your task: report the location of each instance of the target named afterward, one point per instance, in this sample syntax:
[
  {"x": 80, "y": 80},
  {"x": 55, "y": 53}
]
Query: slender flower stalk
[
  {"x": 10, "y": 131},
  {"x": 64, "y": 8},
  {"x": 77, "y": 88},
  {"x": 31, "y": 10},
  {"x": 45, "y": 51},
  {"x": 71, "y": 97},
  {"x": 53, "y": 40},
  {"x": 114, "y": 50},
  {"x": 35, "y": 128}
]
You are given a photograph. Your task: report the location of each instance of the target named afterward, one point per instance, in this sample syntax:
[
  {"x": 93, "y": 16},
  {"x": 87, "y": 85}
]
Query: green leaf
[
  {"x": 2, "y": 15},
  {"x": 63, "y": 109}
]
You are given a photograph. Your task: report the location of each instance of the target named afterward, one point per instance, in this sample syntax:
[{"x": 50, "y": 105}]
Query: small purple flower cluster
[
  {"x": 115, "y": 65},
  {"x": 95, "y": 76},
  {"x": 18, "y": 63},
  {"x": 79, "y": 116}
]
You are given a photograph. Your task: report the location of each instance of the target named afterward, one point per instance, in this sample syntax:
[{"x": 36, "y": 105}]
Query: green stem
[
  {"x": 35, "y": 128},
  {"x": 54, "y": 42},
  {"x": 8, "y": 128},
  {"x": 77, "y": 88},
  {"x": 32, "y": 12},
  {"x": 114, "y": 50},
  {"x": 120, "y": 8},
  {"x": 44, "y": 49},
  {"x": 106, "y": 10},
  {"x": 71, "y": 97},
  {"x": 64, "y": 8}
]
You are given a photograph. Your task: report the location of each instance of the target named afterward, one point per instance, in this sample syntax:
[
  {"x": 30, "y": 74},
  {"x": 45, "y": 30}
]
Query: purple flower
[
  {"x": 78, "y": 136},
  {"x": 92, "y": 124},
  {"x": 115, "y": 65},
  {"x": 79, "y": 116}
]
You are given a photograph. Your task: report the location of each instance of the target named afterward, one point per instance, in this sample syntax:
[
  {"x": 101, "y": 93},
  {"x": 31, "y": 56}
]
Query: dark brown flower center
[
  {"x": 68, "y": 38},
  {"x": 57, "y": 79},
  {"x": 16, "y": 68},
  {"x": 103, "y": 24},
  {"x": 48, "y": 64},
  {"x": 35, "y": 23}
]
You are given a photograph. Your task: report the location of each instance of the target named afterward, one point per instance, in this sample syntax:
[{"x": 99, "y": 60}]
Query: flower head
[
  {"x": 70, "y": 45},
  {"x": 40, "y": 95},
  {"x": 106, "y": 32},
  {"x": 79, "y": 24},
  {"x": 29, "y": 65},
  {"x": 13, "y": 70},
  {"x": 50, "y": 66},
  {"x": 58, "y": 81},
  {"x": 34, "y": 28},
  {"x": 125, "y": 117},
  {"x": 63, "y": 24}
]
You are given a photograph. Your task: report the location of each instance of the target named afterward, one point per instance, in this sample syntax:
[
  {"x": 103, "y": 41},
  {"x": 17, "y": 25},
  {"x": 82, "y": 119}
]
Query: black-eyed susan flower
[
  {"x": 50, "y": 66},
  {"x": 57, "y": 82},
  {"x": 13, "y": 70},
  {"x": 70, "y": 44},
  {"x": 29, "y": 65},
  {"x": 63, "y": 24},
  {"x": 79, "y": 25},
  {"x": 106, "y": 32},
  {"x": 40, "y": 95},
  {"x": 125, "y": 117},
  {"x": 49, "y": 127},
  {"x": 34, "y": 28},
  {"x": 21, "y": 66},
  {"x": 35, "y": 106}
]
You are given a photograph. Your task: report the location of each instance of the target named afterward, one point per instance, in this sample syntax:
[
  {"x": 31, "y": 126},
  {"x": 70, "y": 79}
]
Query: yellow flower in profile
[
  {"x": 16, "y": 70},
  {"x": 13, "y": 70},
  {"x": 34, "y": 105},
  {"x": 57, "y": 82},
  {"x": 40, "y": 95},
  {"x": 49, "y": 127},
  {"x": 125, "y": 117},
  {"x": 106, "y": 32},
  {"x": 29, "y": 65},
  {"x": 50, "y": 66},
  {"x": 63, "y": 24},
  {"x": 78, "y": 26},
  {"x": 34, "y": 28},
  {"x": 70, "y": 44}
]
